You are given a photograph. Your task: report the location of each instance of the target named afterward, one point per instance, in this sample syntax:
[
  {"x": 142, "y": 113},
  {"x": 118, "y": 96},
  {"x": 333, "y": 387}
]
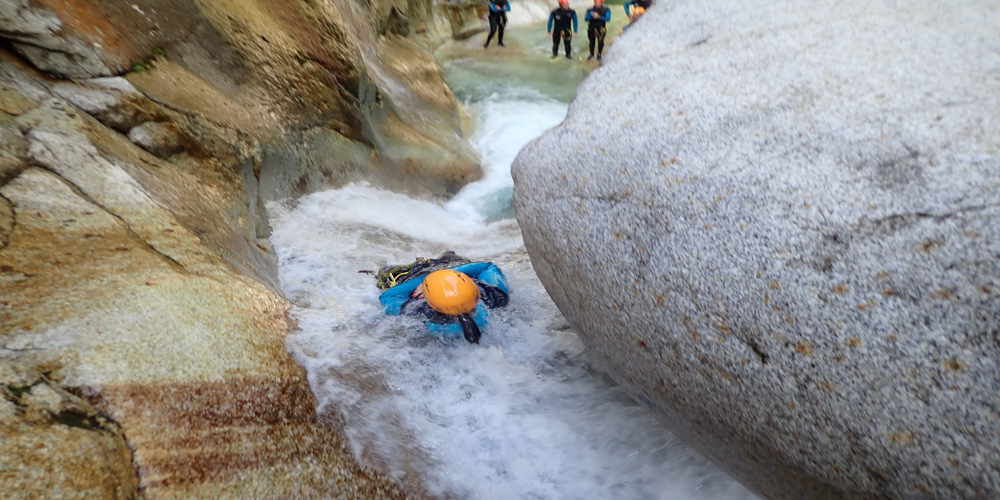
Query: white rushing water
[{"x": 524, "y": 415}]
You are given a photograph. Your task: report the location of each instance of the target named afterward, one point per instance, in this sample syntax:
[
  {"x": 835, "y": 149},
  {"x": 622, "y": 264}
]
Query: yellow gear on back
[{"x": 450, "y": 292}]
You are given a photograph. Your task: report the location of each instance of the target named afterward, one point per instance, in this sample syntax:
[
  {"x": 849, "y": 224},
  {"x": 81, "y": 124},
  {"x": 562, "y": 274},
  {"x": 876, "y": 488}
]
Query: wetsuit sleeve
[
  {"x": 550, "y": 22},
  {"x": 574, "y": 21},
  {"x": 607, "y": 15},
  {"x": 506, "y": 7},
  {"x": 493, "y": 8},
  {"x": 627, "y": 6}
]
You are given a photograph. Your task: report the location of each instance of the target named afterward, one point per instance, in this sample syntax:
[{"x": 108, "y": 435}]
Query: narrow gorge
[{"x": 765, "y": 234}]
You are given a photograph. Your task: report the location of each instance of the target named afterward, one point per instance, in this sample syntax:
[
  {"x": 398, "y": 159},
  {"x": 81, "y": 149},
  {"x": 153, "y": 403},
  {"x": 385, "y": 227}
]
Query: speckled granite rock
[
  {"x": 56, "y": 444},
  {"x": 778, "y": 225}
]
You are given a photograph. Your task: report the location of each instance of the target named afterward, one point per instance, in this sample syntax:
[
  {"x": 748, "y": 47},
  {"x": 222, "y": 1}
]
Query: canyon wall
[{"x": 141, "y": 322}]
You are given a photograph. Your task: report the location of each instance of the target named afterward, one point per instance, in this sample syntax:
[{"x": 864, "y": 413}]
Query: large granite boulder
[{"x": 778, "y": 225}]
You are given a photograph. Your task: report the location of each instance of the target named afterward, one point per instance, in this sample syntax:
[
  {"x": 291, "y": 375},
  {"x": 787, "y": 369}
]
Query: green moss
[
  {"x": 139, "y": 67},
  {"x": 18, "y": 391},
  {"x": 159, "y": 52}
]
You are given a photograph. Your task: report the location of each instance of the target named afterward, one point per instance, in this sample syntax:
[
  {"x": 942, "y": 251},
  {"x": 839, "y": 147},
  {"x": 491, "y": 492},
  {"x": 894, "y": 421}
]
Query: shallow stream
[{"x": 524, "y": 415}]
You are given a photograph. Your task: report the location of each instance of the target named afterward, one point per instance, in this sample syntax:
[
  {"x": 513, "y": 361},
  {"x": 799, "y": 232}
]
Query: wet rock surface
[
  {"x": 777, "y": 224},
  {"x": 276, "y": 71},
  {"x": 56, "y": 442},
  {"x": 141, "y": 331}
]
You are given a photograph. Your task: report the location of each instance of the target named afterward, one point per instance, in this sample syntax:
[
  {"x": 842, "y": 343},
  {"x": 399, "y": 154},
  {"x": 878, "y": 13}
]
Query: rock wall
[
  {"x": 299, "y": 77},
  {"x": 141, "y": 322},
  {"x": 777, "y": 224},
  {"x": 140, "y": 330}
]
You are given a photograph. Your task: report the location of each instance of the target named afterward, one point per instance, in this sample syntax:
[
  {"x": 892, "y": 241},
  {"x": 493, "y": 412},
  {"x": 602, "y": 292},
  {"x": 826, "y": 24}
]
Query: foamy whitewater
[{"x": 524, "y": 415}]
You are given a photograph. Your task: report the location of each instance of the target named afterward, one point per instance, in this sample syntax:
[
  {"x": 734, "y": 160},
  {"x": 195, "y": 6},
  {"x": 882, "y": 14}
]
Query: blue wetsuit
[
  {"x": 498, "y": 20},
  {"x": 559, "y": 25},
  {"x": 637, "y": 3},
  {"x": 596, "y": 29}
]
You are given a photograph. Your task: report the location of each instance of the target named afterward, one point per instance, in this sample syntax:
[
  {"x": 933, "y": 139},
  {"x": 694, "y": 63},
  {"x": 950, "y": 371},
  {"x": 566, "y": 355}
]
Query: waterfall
[{"x": 524, "y": 415}]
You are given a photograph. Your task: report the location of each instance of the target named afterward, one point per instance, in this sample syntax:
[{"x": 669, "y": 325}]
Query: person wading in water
[
  {"x": 560, "y": 20},
  {"x": 596, "y": 18},
  {"x": 498, "y": 20}
]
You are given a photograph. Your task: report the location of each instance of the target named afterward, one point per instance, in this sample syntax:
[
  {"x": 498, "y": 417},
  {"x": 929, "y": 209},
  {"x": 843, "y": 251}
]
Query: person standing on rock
[
  {"x": 596, "y": 18},
  {"x": 561, "y": 19},
  {"x": 498, "y": 21}
]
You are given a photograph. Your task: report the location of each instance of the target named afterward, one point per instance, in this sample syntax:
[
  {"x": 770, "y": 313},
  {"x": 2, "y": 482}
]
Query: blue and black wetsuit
[
  {"x": 560, "y": 21},
  {"x": 596, "y": 29},
  {"x": 498, "y": 20},
  {"x": 637, "y": 3}
]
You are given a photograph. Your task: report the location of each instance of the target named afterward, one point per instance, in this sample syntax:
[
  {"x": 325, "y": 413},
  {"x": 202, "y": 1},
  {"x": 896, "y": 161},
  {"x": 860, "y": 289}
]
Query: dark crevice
[
  {"x": 78, "y": 419},
  {"x": 755, "y": 347},
  {"x": 5, "y": 238}
]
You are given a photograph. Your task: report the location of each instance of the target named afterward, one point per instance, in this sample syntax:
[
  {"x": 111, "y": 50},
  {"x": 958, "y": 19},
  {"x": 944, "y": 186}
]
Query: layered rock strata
[
  {"x": 141, "y": 322},
  {"x": 302, "y": 78},
  {"x": 777, "y": 224},
  {"x": 141, "y": 346}
]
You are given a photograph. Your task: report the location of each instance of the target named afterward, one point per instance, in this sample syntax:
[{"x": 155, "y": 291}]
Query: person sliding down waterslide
[
  {"x": 560, "y": 20},
  {"x": 596, "y": 18},
  {"x": 643, "y": 4},
  {"x": 450, "y": 293},
  {"x": 633, "y": 17},
  {"x": 498, "y": 21}
]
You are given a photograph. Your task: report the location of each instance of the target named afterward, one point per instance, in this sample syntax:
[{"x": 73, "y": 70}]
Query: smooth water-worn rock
[
  {"x": 141, "y": 331},
  {"x": 275, "y": 71},
  {"x": 141, "y": 324},
  {"x": 778, "y": 225}
]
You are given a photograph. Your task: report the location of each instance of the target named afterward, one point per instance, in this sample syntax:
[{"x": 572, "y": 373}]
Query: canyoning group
[
  {"x": 563, "y": 25},
  {"x": 451, "y": 294}
]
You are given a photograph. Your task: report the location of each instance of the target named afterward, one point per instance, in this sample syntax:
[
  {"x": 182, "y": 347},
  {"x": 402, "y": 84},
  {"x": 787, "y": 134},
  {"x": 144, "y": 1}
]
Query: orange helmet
[
  {"x": 563, "y": 2},
  {"x": 450, "y": 292},
  {"x": 639, "y": 11}
]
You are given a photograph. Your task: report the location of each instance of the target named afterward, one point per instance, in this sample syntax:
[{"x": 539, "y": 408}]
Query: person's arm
[
  {"x": 493, "y": 7},
  {"x": 627, "y": 6},
  {"x": 506, "y": 7},
  {"x": 551, "y": 16},
  {"x": 607, "y": 15},
  {"x": 574, "y": 21}
]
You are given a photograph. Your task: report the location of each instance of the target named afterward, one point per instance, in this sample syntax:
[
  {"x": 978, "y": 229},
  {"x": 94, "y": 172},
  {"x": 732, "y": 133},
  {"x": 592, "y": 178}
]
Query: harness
[{"x": 390, "y": 276}]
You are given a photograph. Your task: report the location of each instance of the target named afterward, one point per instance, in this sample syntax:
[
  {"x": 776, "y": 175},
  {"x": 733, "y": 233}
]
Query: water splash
[
  {"x": 508, "y": 122},
  {"x": 525, "y": 415}
]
